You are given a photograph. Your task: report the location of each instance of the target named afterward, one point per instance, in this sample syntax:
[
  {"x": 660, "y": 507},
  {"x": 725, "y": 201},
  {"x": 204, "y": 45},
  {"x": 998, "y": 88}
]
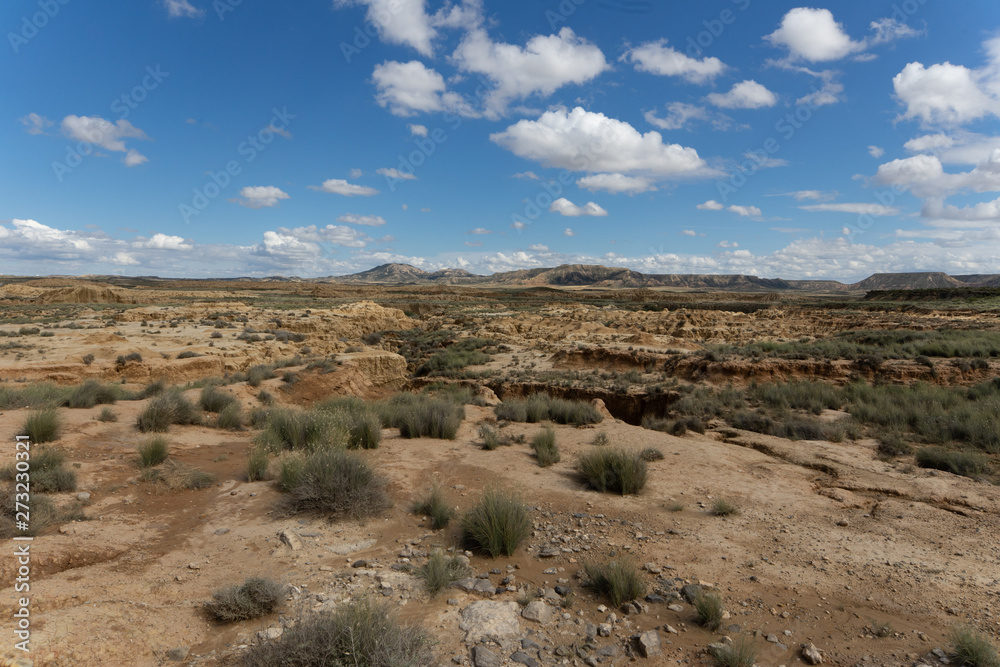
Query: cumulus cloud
[
  {"x": 565, "y": 207},
  {"x": 538, "y": 247},
  {"x": 924, "y": 176},
  {"x": 163, "y": 242},
  {"x": 813, "y": 35},
  {"x": 407, "y": 89},
  {"x": 544, "y": 64},
  {"x": 568, "y": 232},
  {"x": 339, "y": 186},
  {"x": 368, "y": 220},
  {"x": 395, "y": 174},
  {"x": 260, "y": 196},
  {"x": 727, "y": 244},
  {"x": 680, "y": 115},
  {"x": 876, "y": 151},
  {"x": 745, "y": 211},
  {"x": 407, "y": 23},
  {"x": 110, "y": 136},
  {"x": 658, "y": 58},
  {"x": 710, "y": 205},
  {"x": 35, "y": 124},
  {"x": 948, "y": 94},
  {"x": 530, "y": 175},
  {"x": 616, "y": 183},
  {"x": 417, "y": 130},
  {"x": 688, "y": 232},
  {"x": 581, "y": 140},
  {"x": 178, "y": 8},
  {"x": 480, "y": 231},
  {"x": 744, "y": 95},
  {"x": 854, "y": 208}
]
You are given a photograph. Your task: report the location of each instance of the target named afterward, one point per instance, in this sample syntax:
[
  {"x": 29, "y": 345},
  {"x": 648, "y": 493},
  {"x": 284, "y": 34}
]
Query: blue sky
[{"x": 200, "y": 138}]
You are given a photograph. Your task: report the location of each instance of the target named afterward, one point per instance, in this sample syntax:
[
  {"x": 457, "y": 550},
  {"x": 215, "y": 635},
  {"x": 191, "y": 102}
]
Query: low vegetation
[
  {"x": 973, "y": 648},
  {"x": 545, "y": 448},
  {"x": 336, "y": 484},
  {"x": 742, "y": 652},
  {"x": 724, "y": 507},
  {"x": 441, "y": 570},
  {"x": 435, "y": 506},
  {"x": 709, "y": 610},
  {"x": 153, "y": 452},
  {"x": 92, "y": 393},
  {"x": 42, "y": 426},
  {"x": 541, "y": 407},
  {"x": 618, "y": 580},
  {"x": 497, "y": 524},
  {"x": 614, "y": 471},
  {"x": 165, "y": 410},
  {"x": 255, "y": 597},
  {"x": 422, "y": 416}
]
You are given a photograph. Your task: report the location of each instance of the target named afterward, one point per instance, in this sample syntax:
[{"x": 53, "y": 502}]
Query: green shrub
[
  {"x": 973, "y": 648},
  {"x": 36, "y": 395},
  {"x": 42, "y": 425},
  {"x": 969, "y": 464},
  {"x": 153, "y": 389},
  {"x": 265, "y": 397},
  {"x": 107, "y": 415},
  {"x": 708, "y": 607},
  {"x": 212, "y": 399},
  {"x": 650, "y": 454},
  {"x": 167, "y": 409},
  {"x": 362, "y": 633},
  {"x": 891, "y": 444},
  {"x": 435, "y": 506},
  {"x": 741, "y": 653},
  {"x": 441, "y": 570},
  {"x": 614, "y": 471},
  {"x": 188, "y": 354},
  {"x": 153, "y": 452},
  {"x": 545, "y": 448},
  {"x": 724, "y": 507},
  {"x": 337, "y": 484},
  {"x": 420, "y": 415},
  {"x": 539, "y": 407},
  {"x": 49, "y": 473},
  {"x": 618, "y": 580},
  {"x": 601, "y": 439},
  {"x": 497, "y": 524},
  {"x": 290, "y": 471},
  {"x": 257, "y": 374},
  {"x": 92, "y": 393},
  {"x": 257, "y": 463},
  {"x": 577, "y": 413},
  {"x": 295, "y": 429},
  {"x": 126, "y": 358},
  {"x": 255, "y": 597},
  {"x": 230, "y": 417}
]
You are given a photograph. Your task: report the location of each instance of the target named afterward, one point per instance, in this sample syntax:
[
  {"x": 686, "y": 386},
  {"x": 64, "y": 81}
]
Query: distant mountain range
[{"x": 591, "y": 275}]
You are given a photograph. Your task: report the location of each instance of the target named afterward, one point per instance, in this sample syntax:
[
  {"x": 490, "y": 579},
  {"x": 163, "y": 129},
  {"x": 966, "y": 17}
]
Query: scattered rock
[
  {"x": 475, "y": 585},
  {"x": 691, "y": 592},
  {"x": 524, "y": 659},
  {"x": 360, "y": 563},
  {"x": 83, "y": 497},
  {"x": 270, "y": 633},
  {"x": 811, "y": 654},
  {"x": 653, "y": 568},
  {"x": 537, "y": 611},
  {"x": 491, "y": 621},
  {"x": 483, "y": 657},
  {"x": 178, "y": 654},
  {"x": 194, "y": 566},
  {"x": 671, "y": 629},
  {"x": 604, "y": 629},
  {"x": 291, "y": 539},
  {"x": 648, "y": 643},
  {"x": 221, "y": 531}
]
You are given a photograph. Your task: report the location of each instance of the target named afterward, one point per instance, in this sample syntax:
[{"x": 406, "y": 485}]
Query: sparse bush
[
  {"x": 179, "y": 475},
  {"x": 435, "y": 506},
  {"x": 165, "y": 410},
  {"x": 230, "y": 417},
  {"x": 419, "y": 415},
  {"x": 296, "y": 429},
  {"x": 43, "y": 514},
  {"x": 257, "y": 463},
  {"x": 545, "y": 448},
  {"x": 153, "y": 389},
  {"x": 724, "y": 507},
  {"x": 891, "y": 444},
  {"x": 441, "y": 570},
  {"x": 708, "y": 607},
  {"x": 614, "y": 471},
  {"x": 126, "y": 358},
  {"x": 48, "y": 472},
  {"x": 497, "y": 524},
  {"x": 364, "y": 427},
  {"x": 881, "y": 629},
  {"x": 337, "y": 484},
  {"x": 265, "y": 397},
  {"x": 492, "y": 438},
  {"x": 741, "y": 653},
  {"x": 107, "y": 415},
  {"x": 88, "y": 359},
  {"x": 153, "y": 452},
  {"x": 92, "y": 393},
  {"x": 257, "y": 374},
  {"x": 539, "y": 407},
  {"x": 601, "y": 439},
  {"x": 973, "y": 648},
  {"x": 362, "y": 633},
  {"x": 255, "y": 597},
  {"x": 212, "y": 399},
  {"x": 215, "y": 334},
  {"x": 968, "y": 464},
  {"x": 618, "y": 580},
  {"x": 42, "y": 425},
  {"x": 650, "y": 454},
  {"x": 188, "y": 354}
]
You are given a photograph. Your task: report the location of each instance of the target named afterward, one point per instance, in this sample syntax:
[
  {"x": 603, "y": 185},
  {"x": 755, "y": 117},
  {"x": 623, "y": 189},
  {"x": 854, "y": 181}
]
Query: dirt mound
[
  {"x": 369, "y": 374},
  {"x": 89, "y": 293}
]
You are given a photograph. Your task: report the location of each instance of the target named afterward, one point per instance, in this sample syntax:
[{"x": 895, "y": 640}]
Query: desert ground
[{"x": 837, "y": 535}]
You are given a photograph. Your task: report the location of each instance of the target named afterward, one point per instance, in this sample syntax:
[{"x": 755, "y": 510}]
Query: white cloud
[
  {"x": 396, "y": 174},
  {"x": 538, "y": 247},
  {"x": 474, "y": 244},
  {"x": 35, "y": 124},
  {"x": 889, "y": 30},
  {"x": 929, "y": 142},
  {"x": 581, "y": 140},
  {"x": 546, "y": 63},
  {"x": 981, "y": 212},
  {"x": 658, "y": 58},
  {"x": 368, "y": 220},
  {"x": 956, "y": 147},
  {"x": 178, "y": 8},
  {"x": 813, "y": 35},
  {"x": 689, "y": 232},
  {"x": 710, "y": 205},
  {"x": 355, "y": 173},
  {"x": 417, "y": 130},
  {"x": 745, "y": 211},
  {"x": 339, "y": 186},
  {"x": 924, "y": 176},
  {"x": 679, "y": 114},
  {"x": 854, "y": 208},
  {"x": 615, "y": 183},
  {"x": 727, "y": 244},
  {"x": 530, "y": 175},
  {"x": 876, "y": 151},
  {"x": 163, "y": 242},
  {"x": 744, "y": 95},
  {"x": 411, "y": 88},
  {"x": 565, "y": 207},
  {"x": 800, "y": 195},
  {"x": 406, "y": 22},
  {"x": 121, "y": 259},
  {"x": 568, "y": 232},
  {"x": 104, "y": 133},
  {"x": 480, "y": 231},
  {"x": 947, "y": 94},
  {"x": 260, "y": 196}
]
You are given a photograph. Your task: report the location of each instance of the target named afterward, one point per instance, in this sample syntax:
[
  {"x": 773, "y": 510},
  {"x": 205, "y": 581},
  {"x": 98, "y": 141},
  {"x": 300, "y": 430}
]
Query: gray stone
[
  {"x": 773, "y": 639},
  {"x": 471, "y": 585},
  {"x": 483, "y": 657},
  {"x": 529, "y": 645},
  {"x": 690, "y": 592},
  {"x": 537, "y": 611},
  {"x": 221, "y": 531},
  {"x": 648, "y": 644},
  {"x": 671, "y": 629},
  {"x": 604, "y": 629},
  {"x": 811, "y": 654},
  {"x": 563, "y": 590},
  {"x": 359, "y": 563},
  {"x": 608, "y": 651},
  {"x": 270, "y": 633},
  {"x": 291, "y": 539},
  {"x": 676, "y": 607},
  {"x": 524, "y": 659},
  {"x": 83, "y": 497},
  {"x": 178, "y": 654},
  {"x": 487, "y": 620}
]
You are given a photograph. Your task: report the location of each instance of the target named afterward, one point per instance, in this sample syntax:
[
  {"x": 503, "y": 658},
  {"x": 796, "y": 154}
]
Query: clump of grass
[
  {"x": 441, "y": 570},
  {"x": 891, "y": 444},
  {"x": 708, "y": 607},
  {"x": 153, "y": 452},
  {"x": 741, "y": 653},
  {"x": 265, "y": 397},
  {"x": 435, "y": 506},
  {"x": 179, "y": 475},
  {"x": 675, "y": 506},
  {"x": 188, "y": 354},
  {"x": 92, "y": 393},
  {"x": 545, "y": 448},
  {"x": 601, "y": 440},
  {"x": 107, "y": 415},
  {"x": 650, "y": 454},
  {"x": 420, "y": 415},
  {"x": 968, "y": 464},
  {"x": 362, "y": 633},
  {"x": 212, "y": 399},
  {"x": 614, "y": 471},
  {"x": 43, "y": 514},
  {"x": 127, "y": 358},
  {"x": 492, "y": 438},
  {"x": 618, "y": 580},
  {"x": 296, "y": 429},
  {"x": 335, "y": 483},
  {"x": 973, "y": 648},
  {"x": 230, "y": 417},
  {"x": 255, "y": 597},
  {"x": 49, "y": 473},
  {"x": 881, "y": 629},
  {"x": 36, "y": 395},
  {"x": 724, "y": 507},
  {"x": 42, "y": 425},
  {"x": 167, "y": 409},
  {"x": 539, "y": 407},
  {"x": 153, "y": 389},
  {"x": 497, "y": 524},
  {"x": 258, "y": 460},
  {"x": 257, "y": 374},
  {"x": 364, "y": 427}
]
